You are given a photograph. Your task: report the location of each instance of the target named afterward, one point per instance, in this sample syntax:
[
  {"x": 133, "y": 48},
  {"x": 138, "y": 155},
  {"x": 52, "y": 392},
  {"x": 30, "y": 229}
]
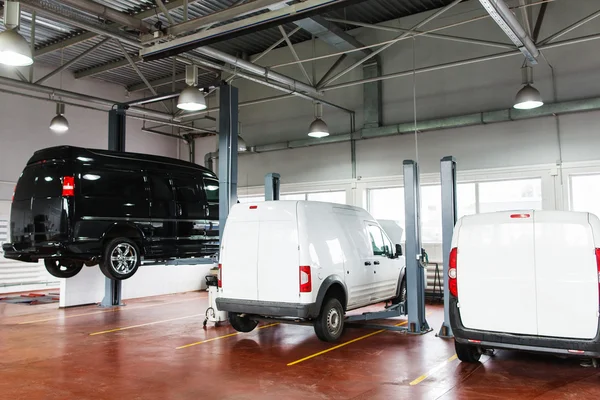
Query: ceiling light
[
  {"x": 528, "y": 97},
  {"x": 190, "y": 98},
  {"x": 59, "y": 123},
  {"x": 318, "y": 128},
  {"x": 14, "y": 49}
]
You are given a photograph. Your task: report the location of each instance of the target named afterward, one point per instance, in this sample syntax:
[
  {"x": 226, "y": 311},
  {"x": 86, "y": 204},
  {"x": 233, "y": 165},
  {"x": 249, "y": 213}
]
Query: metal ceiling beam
[
  {"x": 150, "y": 13},
  {"x": 71, "y": 62},
  {"x": 570, "y": 28},
  {"x": 121, "y": 62},
  {"x": 165, "y": 12},
  {"x": 222, "y": 16},
  {"x": 109, "y": 14},
  {"x": 295, "y": 55},
  {"x": 539, "y": 22},
  {"x": 256, "y": 23},
  {"x": 401, "y": 37},
  {"x": 506, "y": 20},
  {"x": 421, "y": 33}
]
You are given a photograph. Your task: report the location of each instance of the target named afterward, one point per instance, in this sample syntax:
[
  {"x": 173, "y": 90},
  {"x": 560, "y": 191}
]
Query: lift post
[
  {"x": 116, "y": 142},
  {"x": 449, "y": 213},
  {"x": 415, "y": 273},
  {"x": 272, "y": 184},
  {"x": 228, "y": 152}
]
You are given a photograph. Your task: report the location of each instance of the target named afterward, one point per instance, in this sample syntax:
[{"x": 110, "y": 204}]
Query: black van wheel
[
  {"x": 242, "y": 324},
  {"x": 63, "y": 268},
  {"x": 329, "y": 325},
  {"x": 121, "y": 259},
  {"x": 467, "y": 353}
]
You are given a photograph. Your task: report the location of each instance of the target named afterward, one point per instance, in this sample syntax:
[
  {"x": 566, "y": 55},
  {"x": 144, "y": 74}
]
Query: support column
[
  {"x": 415, "y": 273},
  {"x": 116, "y": 142},
  {"x": 228, "y": 152},
  {"x": 272, "y": 182},
  {"x": 449, "y": 213}
]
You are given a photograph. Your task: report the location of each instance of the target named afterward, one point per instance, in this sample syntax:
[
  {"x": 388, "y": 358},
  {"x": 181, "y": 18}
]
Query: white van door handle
[
  {"x": 376, "y": 263},
  {"x": 367, "y": 263}
]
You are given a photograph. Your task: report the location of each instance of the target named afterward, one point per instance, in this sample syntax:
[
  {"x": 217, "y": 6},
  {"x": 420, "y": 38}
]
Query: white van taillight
[
  {"x": 452, "y": 272},
  {"x": 220, "y": 282},
  {"x": 305, "y": 280},
  {"x": 520, "y": 216},
  {"x": 68, "y": 189},
  {"x": 598, "y": 269},
  {"x": 253, "y": 207}
]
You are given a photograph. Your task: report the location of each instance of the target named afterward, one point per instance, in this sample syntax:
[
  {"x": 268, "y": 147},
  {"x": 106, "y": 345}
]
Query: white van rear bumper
[
  {"x": 538, "y": 344},
  {"x": 268, "y": 308}
]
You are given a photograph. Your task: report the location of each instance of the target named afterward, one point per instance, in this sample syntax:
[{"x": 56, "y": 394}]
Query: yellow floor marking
[
  {"x": 342, "y": 345},
  {"x": 433, "y": 371},
  {"x": 221, "y": 337},
  {"x": 141, "y": 325},
  {"x": 107, "y": 311}
]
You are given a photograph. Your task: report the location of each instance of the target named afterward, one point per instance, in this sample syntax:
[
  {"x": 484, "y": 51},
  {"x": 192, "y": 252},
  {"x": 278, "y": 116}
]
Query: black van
[{"x": 75, "y": 206}]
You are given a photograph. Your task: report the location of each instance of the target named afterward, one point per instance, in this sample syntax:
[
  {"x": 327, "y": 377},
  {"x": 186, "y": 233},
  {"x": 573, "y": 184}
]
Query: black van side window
[
  {"x": 187, "y": 190},
  {"x": 211, "y": 186},
  {"x": 112, "y": 184},
  {"x": 161, "y": 188}
]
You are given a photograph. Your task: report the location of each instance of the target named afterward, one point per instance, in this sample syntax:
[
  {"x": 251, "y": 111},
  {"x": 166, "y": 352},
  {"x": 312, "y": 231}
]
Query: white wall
[
  {"x": 478, "y": 87},
  {"x": 25, "y": 121}
]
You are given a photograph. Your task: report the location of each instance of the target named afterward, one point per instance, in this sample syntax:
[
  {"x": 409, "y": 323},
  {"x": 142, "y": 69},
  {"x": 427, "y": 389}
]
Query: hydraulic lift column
[
  {"x": 449, "y": 212},
  {"x": 228, "y": 152},
  {"x": 272, "y": 186},
  {"x": 415, "y": 273},
  {"x": 116, "y": 142}
]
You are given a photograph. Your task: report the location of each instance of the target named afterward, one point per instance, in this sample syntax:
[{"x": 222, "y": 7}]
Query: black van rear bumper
[
  {"x": 41, "y": 250},
  {"x": 538, "y": 344},
  {"x": 268, "y": 308}
]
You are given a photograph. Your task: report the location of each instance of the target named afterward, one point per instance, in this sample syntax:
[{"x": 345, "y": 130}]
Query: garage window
[{"x": 585, "y": 193}]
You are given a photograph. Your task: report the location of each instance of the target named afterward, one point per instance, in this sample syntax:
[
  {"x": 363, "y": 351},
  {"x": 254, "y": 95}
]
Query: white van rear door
[
  {"x": 496, "y": 272},
  {"x": 278, "y": 253},
  {"x": 567, "y": 277},
  {"x": 239, "y": 258}
]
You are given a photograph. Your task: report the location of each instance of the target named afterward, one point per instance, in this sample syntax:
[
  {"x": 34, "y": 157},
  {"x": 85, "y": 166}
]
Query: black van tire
[
  {"x": 131, "y": 253},
  {"x": 62, "y": 268},
  {"x": 467, "y": 353},
  {"x": 242, "y": 324},
  {"x": 329, "y": 325}
]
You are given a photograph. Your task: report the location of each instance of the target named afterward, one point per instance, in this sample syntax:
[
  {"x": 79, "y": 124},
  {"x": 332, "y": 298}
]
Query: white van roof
[{"x": 242, "y": 210}]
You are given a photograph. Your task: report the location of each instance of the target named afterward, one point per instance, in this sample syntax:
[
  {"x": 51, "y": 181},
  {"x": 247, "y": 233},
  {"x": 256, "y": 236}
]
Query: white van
[
  {"x": 305, "y": 260},
  {"x": 526, "y": 280}
]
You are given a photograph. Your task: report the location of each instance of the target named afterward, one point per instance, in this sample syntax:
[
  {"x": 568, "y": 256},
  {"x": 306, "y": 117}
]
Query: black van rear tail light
[
  {"x": 453, "y": 272},
  {"x": 68, "y": 189},
  {"x": 305, "y": 279}
]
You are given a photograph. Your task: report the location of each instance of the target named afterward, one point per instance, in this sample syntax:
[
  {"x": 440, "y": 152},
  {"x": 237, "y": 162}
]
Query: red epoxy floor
[{"x": 49, "y": 354}]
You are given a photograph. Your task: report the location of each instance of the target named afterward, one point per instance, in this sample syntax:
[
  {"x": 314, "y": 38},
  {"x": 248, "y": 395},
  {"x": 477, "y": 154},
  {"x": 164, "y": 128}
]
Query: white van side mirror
[{"x": 398, "y": 250}]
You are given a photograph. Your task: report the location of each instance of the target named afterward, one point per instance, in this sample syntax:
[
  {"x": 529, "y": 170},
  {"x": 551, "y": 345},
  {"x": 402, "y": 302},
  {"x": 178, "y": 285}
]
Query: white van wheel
[
  {"x": 467, "y": 353},
  {"x": 329, "y": 325},
  {"x": 242, "y": 324}
]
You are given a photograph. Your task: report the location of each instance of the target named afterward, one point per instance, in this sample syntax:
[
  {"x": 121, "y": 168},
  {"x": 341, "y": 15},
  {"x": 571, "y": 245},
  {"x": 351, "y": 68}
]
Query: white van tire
[
  {"x": 242, "y": 324},
  {"x": 467, "y": 353},
  {"x": 329, "y": 325}
]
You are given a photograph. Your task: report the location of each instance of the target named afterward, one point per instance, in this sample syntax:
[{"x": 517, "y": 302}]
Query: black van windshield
[{"x": 40, "y": 180}]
